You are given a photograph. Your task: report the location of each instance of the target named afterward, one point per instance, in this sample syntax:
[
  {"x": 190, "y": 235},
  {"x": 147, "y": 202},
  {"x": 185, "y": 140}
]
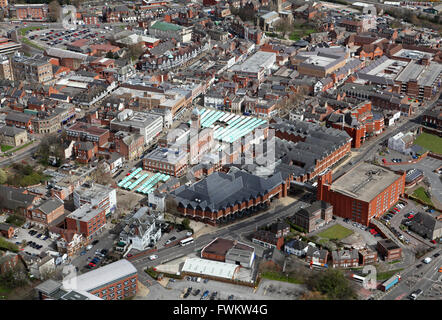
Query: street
[
  {"x": 231, "y": 231},
  {"x": 413, "y": 278}
]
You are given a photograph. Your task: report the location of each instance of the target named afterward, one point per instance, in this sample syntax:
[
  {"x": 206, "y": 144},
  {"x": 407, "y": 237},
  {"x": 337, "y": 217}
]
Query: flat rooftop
[
  {"x": 97, "y": 278},
  {"x": 364, "y": 181},
  {"x": 259, "y": 60},
  {"x": 85, "y": 213}
]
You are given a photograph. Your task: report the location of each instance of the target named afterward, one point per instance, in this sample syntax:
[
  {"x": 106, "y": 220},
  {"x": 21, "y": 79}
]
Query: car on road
[
  {"x": 419, "y": 266},
  {"x": 129, "y": 255},
  {"x": 82, "y": 253},
  {"x": 153, "y": 257},
  {"x": 415, "y": 294},
  {"x": 440, "y": 269},
  {"x": 95, "y": 242},
  {"x": 436, "y": 255},
  {"x": 433, "y": 241},
  {"x": 91, "y": 264},
  {"x": 188, "y": 233}
]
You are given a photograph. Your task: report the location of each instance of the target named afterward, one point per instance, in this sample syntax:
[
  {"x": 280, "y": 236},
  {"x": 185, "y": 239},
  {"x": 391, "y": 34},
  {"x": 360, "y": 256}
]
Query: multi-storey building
[
  {"x": 28, "y": 11},
  {"x": 146, "y": 124},
  {"x": 32, "y": 69},
  {"x": 389, "y": 250},
  {"x": 96, "y": 195},
  {"x": 314, "y": 216},
  {"x": 81, "y": 131},
  {"x": 87, "y": 220},
  {"x": 115, "y": 281},
  {"x": 6, "y": 68},
  {"x": 364, "y": 192},
  {"x": 345, "y": 258},
  {"x": 47, "y": 212},
  {"x": 165, "y": 30},
  {"x": 129, "y": 145}
]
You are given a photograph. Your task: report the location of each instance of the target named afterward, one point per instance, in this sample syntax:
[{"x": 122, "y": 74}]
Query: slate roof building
[
  {"x": 223, "y": 196},
  {"x": 426, "y": 226}
]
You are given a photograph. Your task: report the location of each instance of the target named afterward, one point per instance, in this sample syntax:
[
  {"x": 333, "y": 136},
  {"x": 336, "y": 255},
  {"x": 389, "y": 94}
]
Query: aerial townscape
[{"x": 228, "y": 150}]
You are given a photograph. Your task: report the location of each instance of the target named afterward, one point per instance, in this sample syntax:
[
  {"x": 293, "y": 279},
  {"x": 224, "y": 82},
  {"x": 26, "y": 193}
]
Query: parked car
[
  {"x": 196, "y": 292},
  {"x": 82, "y": 253},
  {"x": 205, "y": 294},
  {"x": 230, "y": 297},
  {"x": 186, "y": 295}
]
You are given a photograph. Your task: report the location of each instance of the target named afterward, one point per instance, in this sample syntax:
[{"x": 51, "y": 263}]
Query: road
[
  {"x": 414, "y": 278},
  {"x": 245, "y": 226},
  {"x": 18, "y": 157},
  {"x": 369, "y": 147}
]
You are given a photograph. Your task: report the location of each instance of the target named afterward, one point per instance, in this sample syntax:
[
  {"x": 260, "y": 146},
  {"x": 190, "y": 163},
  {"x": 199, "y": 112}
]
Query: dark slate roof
[
  {"x": 221, "y": 190},
  {"x": 50, "y": 205},
  {"x": 317, "y": 205},
  {"x": 17, "y": 116},
  {"x": 315, "y": 252},
  {"x": 12, "y": 198},
  {"x": 265, "y": 236},
  {"x": 425, "y": 224},
  {"x": 345, "y": 255},
  {"x": 10, "y": 131}
]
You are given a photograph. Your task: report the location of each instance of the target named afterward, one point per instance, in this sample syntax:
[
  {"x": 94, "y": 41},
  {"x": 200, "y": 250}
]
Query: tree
[
  {"x": 186, "y": 223},
  {"x": 333, "y": 284},
  {"x": 54, "y": 9},
  {"x": 136, "y": 51},
  {"x": 3, "y": 176},
  {"x": 101, "y": 176}
]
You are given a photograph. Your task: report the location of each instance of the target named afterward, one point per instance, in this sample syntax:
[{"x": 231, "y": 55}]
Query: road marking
[{"x": 400, "y": 297}]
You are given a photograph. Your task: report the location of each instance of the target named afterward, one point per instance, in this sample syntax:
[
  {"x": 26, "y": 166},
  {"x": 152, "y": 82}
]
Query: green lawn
[
  {"x": 420, "y": 194},
  {"x": 335, "y": 232},
  {"x": 300, "y": 33},
  {"x": 387, "y": 274},
  {"x": 32, "y": 44},
  {"x": 23, "y": 31},
  {"x": 273, "y": 275},
  {"x": 5, "y": 147},
  {"x": 430, "y": 142},
  {"x": 21, "y": 147}
]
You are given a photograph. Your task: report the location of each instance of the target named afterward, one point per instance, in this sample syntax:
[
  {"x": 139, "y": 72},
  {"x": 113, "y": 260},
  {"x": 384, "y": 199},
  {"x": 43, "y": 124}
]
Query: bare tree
[{"x": 54, "y": 10}]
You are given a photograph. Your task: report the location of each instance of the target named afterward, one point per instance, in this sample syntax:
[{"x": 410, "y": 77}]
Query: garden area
[
  {"x": 336, "y": 232},
  {"x": 301, "y": 31},
  {"x": 422, "y": 195},
  {"x": 23, "y": 175},
  {"x": 5, "y": 147},
  {"x": 430, "y": 142}
]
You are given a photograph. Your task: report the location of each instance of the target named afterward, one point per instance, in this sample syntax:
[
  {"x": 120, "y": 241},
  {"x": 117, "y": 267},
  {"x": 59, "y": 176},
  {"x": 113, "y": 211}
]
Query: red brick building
[
  {"x": 233, "y": 199},
  {"x": 364, "y": 192},
  {"x": 389, "y": 250},
  {"x": 47, "y": 212},
  {"x": 81, "y": 131},
  {"x": 6, "y": 230},
  {"x": 85, "y": 151},
  {"x": 359, "y": 122},
  {"x": 86, "y": 220},
  {"x": 30, "y": 11},
  {"x": 8, "y": 261}
]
